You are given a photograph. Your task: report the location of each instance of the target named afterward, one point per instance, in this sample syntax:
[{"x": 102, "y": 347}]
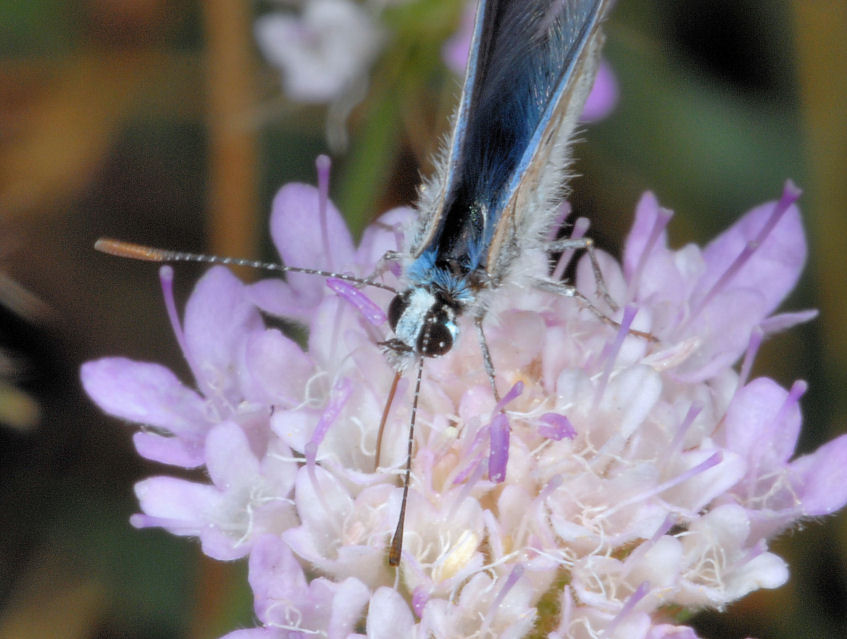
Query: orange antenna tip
[{"x": 120, "y": 248}]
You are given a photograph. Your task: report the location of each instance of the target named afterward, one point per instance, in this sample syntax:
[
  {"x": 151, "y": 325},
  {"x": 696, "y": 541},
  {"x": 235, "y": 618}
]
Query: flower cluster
[{"x": 643, "y": 476}]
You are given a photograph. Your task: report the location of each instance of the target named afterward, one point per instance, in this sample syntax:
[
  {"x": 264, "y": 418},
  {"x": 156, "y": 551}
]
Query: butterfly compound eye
[
  {"x": 396, "y": 309},
  {"x": 440, "y": 331}
]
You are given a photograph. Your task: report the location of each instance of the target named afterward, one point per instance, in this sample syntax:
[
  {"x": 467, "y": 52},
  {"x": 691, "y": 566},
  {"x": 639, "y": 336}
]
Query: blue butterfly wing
[{"x": 526, "y": 67}]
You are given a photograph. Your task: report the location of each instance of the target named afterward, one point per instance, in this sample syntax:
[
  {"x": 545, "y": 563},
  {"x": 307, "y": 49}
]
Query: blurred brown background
[{"x": 157, "y": 121}]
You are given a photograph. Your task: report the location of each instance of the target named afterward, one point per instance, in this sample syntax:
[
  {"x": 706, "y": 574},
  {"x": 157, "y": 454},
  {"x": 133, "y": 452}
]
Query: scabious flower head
[{"x": 641, "y": 477}]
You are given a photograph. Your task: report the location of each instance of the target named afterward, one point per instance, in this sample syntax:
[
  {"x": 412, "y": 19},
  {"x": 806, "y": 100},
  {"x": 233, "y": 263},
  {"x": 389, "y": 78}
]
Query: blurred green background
[{"x": 157, "y": 121}]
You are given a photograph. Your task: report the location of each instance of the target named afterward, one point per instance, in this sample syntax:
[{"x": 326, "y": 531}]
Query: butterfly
[{"x": 486, "y": 214}]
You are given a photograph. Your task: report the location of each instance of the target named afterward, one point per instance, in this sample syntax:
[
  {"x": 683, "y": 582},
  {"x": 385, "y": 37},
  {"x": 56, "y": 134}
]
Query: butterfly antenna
[
  {"x": 120, "y": 248},
  {"x": 384, "y": 419},
  {"x": 397, "y": 540}
]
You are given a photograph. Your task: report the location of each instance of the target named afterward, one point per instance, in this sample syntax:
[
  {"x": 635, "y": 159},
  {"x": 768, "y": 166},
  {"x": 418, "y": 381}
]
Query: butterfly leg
[
  {"x": 587, "y": 244},
  {"x": 568, "y": 290},
  {"x": 384, "y": 264},
  {"x": 486, "y": 356}
]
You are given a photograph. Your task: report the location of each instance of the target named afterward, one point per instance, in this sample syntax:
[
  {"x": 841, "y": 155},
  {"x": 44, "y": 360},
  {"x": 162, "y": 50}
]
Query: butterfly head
[{"x": 424, "y": 323}]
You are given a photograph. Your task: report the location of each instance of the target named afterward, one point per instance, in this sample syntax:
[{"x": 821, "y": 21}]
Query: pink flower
[{"x": 642, "y": 476}]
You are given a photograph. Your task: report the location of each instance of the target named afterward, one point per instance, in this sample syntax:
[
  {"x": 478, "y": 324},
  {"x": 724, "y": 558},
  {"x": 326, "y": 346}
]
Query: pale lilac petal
[
  {"x": 295, "y": 427},
  {"x": 643, "y": 233},
  {"x": 784, "y": 321},
  {"x": 603, "y": 97},
  {"x": 279, "y": 369},
  {"x": 457, "y": 48},
  {"x": 666, "y": 631},
  {"x": 349, "y": 600},
  {"x": 763, "y": 571},
  {"x": 187, "y": 509},
  {"x": 144, "y": 393},
  {"x": 150, "y": 395},
  {"x": 257, "y": 633},
  {"x": 389, "y": 615},
  {"x": 284, "y": 597},
  {"x": 229, "y": 460},
  {"x": 322, "y": 502},
  {"x": 775, "y": 266},
  {"x": 275, "y": 574},
  {"x": 753, "y": 430},
  {"x": 218, "y": 319},
  {"x": 820, "y": 479},
  {"x": 277, "y": 297},
  {"x": 724, "y": 327},
  {"x": 384, "y": 235},
  {"x": 188, "y": 453},
  {"x": 298, "y": 206}
]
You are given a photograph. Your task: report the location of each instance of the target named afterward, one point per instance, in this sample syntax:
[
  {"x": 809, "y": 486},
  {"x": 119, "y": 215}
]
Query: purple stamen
[
  {"x": 356, "y": 297},
  {"x": 166, "y": 279},
  {"x": 465, "y": 492},
  {"x": 798, "y": 389},
  {"x": 338, "y": 398},
  {"x": 511, "y": 580},
  {"x": 514, "y": 393},
  {"x": 631, "y": 602},
  {"x": 703, "y": 466},
  {"x": 561, "y": 215},
  {"x": 323, "y": 165},
  {"x": 555, "y": 481},
  {"x": 419, "y": 598},
  {"x": 693, "y": 411},
  {"x": 790, "y": 193},
  {"x": 499, "y": 455},
  {"x": 639, "y": 552},
  {"x": 753, "y": 344},
  {"x": 556, "y": 427},
  {"x": 466, "y": 472},
  {"x": 663, "y": 217},
  {"x": 610, "y": 353},
  {"x": 580, "y": 228}
]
